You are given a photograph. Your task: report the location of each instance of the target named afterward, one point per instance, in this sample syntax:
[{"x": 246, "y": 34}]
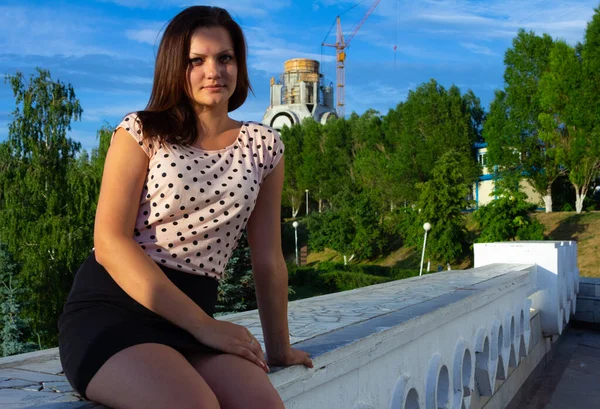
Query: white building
[
  {"x": 299, "y": 94},
  {"x": 484, "y": 188}
]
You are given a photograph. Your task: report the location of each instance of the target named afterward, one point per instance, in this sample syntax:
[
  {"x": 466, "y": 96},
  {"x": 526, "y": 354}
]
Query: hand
[
  {"x": 232, "y": 339},
  {"x": 291, "y": 357}
]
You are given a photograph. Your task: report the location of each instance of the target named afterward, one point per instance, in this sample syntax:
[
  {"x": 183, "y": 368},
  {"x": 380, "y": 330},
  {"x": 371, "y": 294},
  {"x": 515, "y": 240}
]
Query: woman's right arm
[{"x": 137, "y": 274}]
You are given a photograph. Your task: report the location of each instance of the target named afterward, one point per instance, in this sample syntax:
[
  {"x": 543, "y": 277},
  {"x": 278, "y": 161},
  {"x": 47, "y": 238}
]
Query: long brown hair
[{"x": 170, "y": 114}]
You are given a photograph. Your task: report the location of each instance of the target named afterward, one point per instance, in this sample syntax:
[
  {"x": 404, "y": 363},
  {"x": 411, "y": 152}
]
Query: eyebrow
[{"x": 220, "y": 52}]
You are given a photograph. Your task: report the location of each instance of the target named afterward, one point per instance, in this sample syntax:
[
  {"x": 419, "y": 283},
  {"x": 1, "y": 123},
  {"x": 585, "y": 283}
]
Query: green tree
[
  {"x": 338, "y": 174},
  {"x": 12, "y": 324},
  {"x": 569, "y": 95},
  {"x": 508, "y": 218},
  {"x": 442, "y": 200},
  {"x": 430, "y": 122},
  {"x": 354, "y": 230},
  {"x": 35, "y": 197},
  {"x": 237, "y": 291},
  {"x": 512, "y": 128},
  {"x": 293, "y": 191},
  {"x": 313, "y": 171}
]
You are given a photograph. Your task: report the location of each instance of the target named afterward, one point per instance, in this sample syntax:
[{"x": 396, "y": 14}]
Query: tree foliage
[
  {"x": 236, "y": 290},
  {"x": 512, "y": 128},
  {"x": 569, "y": 96},
  {"x": 508, "y": 218},
  {"x": 45, "y": 213},
  {"x": 442, "y": 201},
  {"x": 13, "y": 327}
]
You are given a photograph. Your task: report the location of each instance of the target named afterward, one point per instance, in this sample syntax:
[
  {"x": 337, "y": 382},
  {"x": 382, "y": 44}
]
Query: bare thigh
[
  {"x": 237, "y": 382},
  {"x": 150, "y": 376}
]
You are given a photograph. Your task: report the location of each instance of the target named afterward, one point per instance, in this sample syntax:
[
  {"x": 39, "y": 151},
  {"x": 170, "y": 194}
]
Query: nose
[{"x": 213, "y": 69}]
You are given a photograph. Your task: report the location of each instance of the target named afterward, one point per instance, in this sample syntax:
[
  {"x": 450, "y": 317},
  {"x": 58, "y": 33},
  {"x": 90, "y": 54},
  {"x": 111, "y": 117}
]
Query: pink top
[{"x": 195, "y": 203}]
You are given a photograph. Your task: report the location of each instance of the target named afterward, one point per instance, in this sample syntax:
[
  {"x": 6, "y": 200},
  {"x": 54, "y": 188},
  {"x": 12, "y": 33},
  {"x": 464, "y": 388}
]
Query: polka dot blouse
[{"x": 195, "y": 203}]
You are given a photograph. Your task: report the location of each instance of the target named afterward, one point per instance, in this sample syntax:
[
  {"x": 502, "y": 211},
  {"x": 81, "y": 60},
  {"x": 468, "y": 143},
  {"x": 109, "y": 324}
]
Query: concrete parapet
[
  {"x": 555, "y": 283},
  {"x": 455, "y": 339}
]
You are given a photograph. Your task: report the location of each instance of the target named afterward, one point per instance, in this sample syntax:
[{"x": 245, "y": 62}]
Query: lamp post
[
  {"x": 426, "y": 227},
  {"x": 306, "y": 201},
  {"x": 295, "y": 224}
]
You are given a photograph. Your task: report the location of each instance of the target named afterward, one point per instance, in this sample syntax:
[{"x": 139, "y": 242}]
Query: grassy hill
[{"x": 583, "y": 228}]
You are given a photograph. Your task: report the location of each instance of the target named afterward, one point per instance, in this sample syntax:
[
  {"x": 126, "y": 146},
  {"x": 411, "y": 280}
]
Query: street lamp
[
  {"x": 295, "y": 224},
  {"x": 426, "y": 227},
  {"x": 306, "y": 201}
]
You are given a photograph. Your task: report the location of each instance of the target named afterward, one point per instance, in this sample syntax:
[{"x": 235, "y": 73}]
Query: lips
[{"x": 215, "y": 86}]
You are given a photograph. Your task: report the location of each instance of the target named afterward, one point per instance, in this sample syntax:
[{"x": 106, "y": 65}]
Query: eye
[
  {"x": 196, "y": 61},
  {"x": 226, "y": 58}
]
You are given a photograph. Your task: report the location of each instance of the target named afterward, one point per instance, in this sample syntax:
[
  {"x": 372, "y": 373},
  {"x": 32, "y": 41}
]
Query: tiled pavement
[
  {"x": 35, "y": 380},
  {"x": 572, "y": 379}
]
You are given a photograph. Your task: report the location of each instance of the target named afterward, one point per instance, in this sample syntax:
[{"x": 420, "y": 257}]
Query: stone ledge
[{"x": 343, "y": 331}]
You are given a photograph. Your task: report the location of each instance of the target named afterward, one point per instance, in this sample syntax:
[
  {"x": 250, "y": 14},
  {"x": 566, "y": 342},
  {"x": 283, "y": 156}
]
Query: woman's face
[{"x": 213, "y": 68}]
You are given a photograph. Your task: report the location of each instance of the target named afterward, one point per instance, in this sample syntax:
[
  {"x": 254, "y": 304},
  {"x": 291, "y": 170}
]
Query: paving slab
[
  {"x": 16, "y": 383},
  {"x": 50, "y": 367},
  {"x": 12, "y": 373}
]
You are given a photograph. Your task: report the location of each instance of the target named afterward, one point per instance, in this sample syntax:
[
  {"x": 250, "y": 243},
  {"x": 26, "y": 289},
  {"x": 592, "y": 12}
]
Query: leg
[
  {"x": 150, "y": 376},
  {"x": 237, "y": 382}
]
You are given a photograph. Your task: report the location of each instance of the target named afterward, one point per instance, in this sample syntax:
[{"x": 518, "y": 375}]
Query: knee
[
  {"x": 204, "y": 403},
  {"x": 269, "y": 400}
]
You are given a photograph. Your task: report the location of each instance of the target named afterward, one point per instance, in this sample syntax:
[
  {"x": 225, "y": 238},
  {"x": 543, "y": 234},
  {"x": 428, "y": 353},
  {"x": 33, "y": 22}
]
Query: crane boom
[
  {"x": 358, "y": 25},
  {"x": 340, "y": 47}
]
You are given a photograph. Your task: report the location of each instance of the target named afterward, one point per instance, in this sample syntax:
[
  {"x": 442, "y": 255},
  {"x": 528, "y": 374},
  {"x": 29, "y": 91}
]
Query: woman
[{"x": 180, "y": 183}]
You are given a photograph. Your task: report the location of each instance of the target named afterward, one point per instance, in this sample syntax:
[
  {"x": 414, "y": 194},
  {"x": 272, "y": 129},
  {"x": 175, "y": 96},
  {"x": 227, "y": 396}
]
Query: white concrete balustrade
[{"x": 449, "y": 340}]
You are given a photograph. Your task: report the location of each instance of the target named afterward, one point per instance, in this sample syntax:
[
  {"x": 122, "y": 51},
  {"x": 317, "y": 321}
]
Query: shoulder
[
  {"x": 259, "y": 127},
  {"x": 268, "y": 144},
  {"x": 132, "y": 123},
  {"x": 262, "y": 131}
]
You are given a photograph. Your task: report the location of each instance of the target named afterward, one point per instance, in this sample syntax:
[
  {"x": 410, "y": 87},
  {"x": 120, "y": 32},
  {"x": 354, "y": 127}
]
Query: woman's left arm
[{"x": 270, "y": 272}]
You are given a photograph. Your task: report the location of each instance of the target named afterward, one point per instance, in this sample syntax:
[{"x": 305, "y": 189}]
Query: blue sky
[{"x": 106, "y": 48}]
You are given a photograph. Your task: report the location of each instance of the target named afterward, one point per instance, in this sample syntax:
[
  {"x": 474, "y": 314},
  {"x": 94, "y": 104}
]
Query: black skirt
[{"x": 100, "y": 319}]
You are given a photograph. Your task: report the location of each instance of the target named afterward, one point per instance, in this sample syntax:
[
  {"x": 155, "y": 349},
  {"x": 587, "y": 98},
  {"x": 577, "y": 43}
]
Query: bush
[
  {"x": 409, "y": 226},
  {"x": 236, "y": 290},
  {"x": 347, "y": 280},
  {"x": 567, "y": 207},
  {"x": 399, "y": 274},
  {"x": 352, "y": 229},
  {"x": 330, "y": 277},
  {"x": 508, "y": 218},
  {"x": 368, "y": 269}
]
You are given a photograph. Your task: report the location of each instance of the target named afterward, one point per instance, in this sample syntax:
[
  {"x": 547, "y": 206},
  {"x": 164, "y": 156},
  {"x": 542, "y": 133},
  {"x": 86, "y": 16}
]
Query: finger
[
  {"x": 257, "y": 350},
  {"x": 254, "y": 346},
  {"x": 250, "y": 356}
]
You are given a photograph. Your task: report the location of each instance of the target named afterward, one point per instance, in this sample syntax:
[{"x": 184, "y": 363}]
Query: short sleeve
[
  {"x": 133, "y": 125},
  {"x": 274, "y": 150}
]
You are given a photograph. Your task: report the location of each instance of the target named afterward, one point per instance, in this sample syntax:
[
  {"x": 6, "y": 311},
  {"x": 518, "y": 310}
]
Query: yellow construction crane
[{"x": 340, "y": 47}]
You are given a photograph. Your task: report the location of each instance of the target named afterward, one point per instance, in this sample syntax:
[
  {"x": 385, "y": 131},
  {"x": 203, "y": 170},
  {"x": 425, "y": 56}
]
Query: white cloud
[
  {"x": 145, "y": 35},
  {"x": 133, "y": 80},
  {"x": 236, "y": 7},
  {"x": 560, "y": 18},
  {"x": 479, "y": 49},
  {"x": 110, "y": 111},
  {"x": 28, "y": 31},
  {"x": 268, "y": 50},
  {"x": 373, "y": 95},
  {"x": 3, "y": 130}
]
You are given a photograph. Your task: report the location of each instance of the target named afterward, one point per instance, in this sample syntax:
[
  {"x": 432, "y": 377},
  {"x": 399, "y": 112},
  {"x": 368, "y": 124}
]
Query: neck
[{"x": 213, "y": 122}]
